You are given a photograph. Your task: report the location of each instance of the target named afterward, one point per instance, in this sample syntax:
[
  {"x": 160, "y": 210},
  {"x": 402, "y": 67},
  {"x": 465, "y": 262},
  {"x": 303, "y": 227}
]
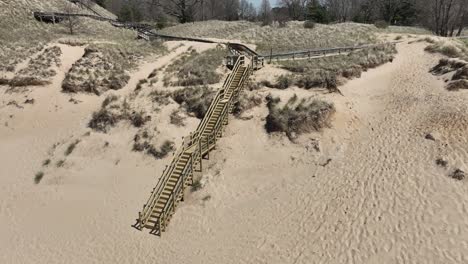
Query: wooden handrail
[{"x": 200, "y": 144}]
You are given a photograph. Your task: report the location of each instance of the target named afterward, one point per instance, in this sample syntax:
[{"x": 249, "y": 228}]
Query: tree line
[{"x": 443, "y": 17}]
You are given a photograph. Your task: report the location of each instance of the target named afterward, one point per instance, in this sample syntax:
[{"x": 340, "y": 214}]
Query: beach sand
[{"x": 366, "y": 190}]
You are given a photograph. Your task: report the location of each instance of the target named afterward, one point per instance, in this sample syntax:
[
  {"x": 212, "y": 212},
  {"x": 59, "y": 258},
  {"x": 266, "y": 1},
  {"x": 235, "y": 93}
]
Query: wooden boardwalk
[{"x": 172, "y": 185}]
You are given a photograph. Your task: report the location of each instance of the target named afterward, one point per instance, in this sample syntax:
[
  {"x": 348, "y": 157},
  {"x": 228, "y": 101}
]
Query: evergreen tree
[{"x": 317, "y": 12}]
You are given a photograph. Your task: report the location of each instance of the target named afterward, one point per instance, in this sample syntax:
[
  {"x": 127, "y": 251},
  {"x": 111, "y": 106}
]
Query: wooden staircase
[{"x": 171, "y": 187}]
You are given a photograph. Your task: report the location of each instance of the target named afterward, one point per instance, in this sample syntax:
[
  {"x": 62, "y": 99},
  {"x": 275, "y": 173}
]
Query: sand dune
[{"x": 371, "y": 194}]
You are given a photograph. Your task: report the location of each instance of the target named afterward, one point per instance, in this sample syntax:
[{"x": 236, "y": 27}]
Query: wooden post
[
  {"x": 215, "y": 135},
  {"x": 271, "y": 54},
  {"x": 208, "y": 147},
  {"x": 200, "y": 150}
]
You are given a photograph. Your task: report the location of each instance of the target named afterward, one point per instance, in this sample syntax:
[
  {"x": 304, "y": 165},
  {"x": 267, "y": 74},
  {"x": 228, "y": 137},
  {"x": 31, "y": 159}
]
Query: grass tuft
[
  {"x": 71, "y": 147},
  {"x": 195, "y": 100},
  {"x": 297, "y": 117},
  {"x": 38, "y": 177}
]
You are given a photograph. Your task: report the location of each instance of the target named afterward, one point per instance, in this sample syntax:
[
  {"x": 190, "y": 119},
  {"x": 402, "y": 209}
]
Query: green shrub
[
  {"x": 103, "y": 119},
  {"x": 71, "y": 147},
  {"x": 195, "y": 100},
  {"x": 309, "y": 24},
  {"x": 38, "y": 177},
  {"x": 195, "y": 68},
  {"x": 381, "y": 24},
  {"x": 166, "y": 148}
]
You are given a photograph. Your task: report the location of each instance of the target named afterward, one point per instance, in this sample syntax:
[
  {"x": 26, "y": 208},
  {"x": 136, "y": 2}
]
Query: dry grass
[
  {"x": 71, "y": 147},
  {"x": 194, "y": 68},
  {"x": 451, "y": 49},
  {"x": 308, "y": 74},
  {"x": 458, "y": 85},
  {"x": 406, "y": 30},
  {"x": 246, "y": 102},
  {"x": 27, "y": 81},
  {"x": 177, "y": 118},
  {"x": 457, "y": 174},
  {"x": 99, "y": 70},
  {"x": 298, "y": 116},
  {"x": 195, "y": 100},
  {"x": 291, "y": 37},
  {"x": 459, "y": 79},
  {"x": 38, "y": 177},
  {"x": 114, "y": 110},
  {"x": 143, "y": 142},
  {"x": 39, "y": 70},
  {"x": 22, "y": 36}
]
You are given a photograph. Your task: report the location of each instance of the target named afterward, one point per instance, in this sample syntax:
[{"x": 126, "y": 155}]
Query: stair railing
[
  {"x": 156, "y": 193},
  {"x": 220, "y": 95}
]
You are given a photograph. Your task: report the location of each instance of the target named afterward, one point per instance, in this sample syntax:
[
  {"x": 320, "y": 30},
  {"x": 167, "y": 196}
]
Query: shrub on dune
[{"x": 298, "y": 117}]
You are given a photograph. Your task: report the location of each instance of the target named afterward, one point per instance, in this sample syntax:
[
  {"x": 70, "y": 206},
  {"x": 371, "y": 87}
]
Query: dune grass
[
  {"x": 22, "y": 35},
  {"x": 452, "y": 49},
  {"x": 319, "y": 72},
  {"x": 298, "y": 116},
  {"x": 291, "y": 37},
  {"x": 195, "y": 100},
  {"x": 194, "y": 68},
  {"x": 143, "y": 142},
  {"x": 113, "y": 110}
]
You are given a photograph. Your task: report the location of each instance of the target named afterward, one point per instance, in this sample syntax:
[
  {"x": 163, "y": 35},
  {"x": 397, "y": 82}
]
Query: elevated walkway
[{"x": 178, "y": 176}]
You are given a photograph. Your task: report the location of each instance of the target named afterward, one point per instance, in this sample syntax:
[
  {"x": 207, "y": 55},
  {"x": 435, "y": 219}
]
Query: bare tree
[
  {"x": 296, "y": 8},
  {"x": 72, "y": 21},
  {"x": 444, "y": 16},
  {"x": 183, "y": 10},
  {"x": 265, "y": 13}
]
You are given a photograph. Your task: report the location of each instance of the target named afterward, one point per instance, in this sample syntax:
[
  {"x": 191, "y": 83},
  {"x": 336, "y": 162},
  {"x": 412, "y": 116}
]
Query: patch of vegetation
[
  {"x": 451, "y": 49},
  {"x": 458, "y": 85},
  {"x": 142, "y": 142},
  {"x": 38, "y": 177},
  {"x": 71, "y": 147},
  {"x": 298, "y": 116},
  {"x": 100, "y": 69},
  {"x": 39, "y": 70},
  {"x": 245, "y": 103},
  {"x": 459, "y": 79},
  {"x": 164, "y": 150},
  {"x": 195, "y": 100},
  {"x": 177, "y": 119},
  {"x": 27, "y": 81},
  {"x": 309, "y": 24},
  {"x": 160, "y": 97},
  {"x": 457, "y": 175},
  {"x": 381, "y": 24},
  {"x": 113, "y": 110},
  {"x": 441, "y": 162},
  {"x": 196, "y": 186},
  {"x": 293, "y": 36},
  {"x": 320, "y": 72},
  {"x": 60, "y": 163},
  {"x": 46, "y": 162},
  {"x": 195, "y": 68},
  {"x": 103, "y": 119}
]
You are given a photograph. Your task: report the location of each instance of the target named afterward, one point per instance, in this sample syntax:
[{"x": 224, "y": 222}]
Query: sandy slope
[{"x": 381, "y": 199}]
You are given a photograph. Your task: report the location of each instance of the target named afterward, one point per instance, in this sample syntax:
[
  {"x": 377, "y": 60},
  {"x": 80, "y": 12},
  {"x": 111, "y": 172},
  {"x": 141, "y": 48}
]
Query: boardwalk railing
[
  {"x": 321, "y": 52},
  {"x": 170, "y": 188}
]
